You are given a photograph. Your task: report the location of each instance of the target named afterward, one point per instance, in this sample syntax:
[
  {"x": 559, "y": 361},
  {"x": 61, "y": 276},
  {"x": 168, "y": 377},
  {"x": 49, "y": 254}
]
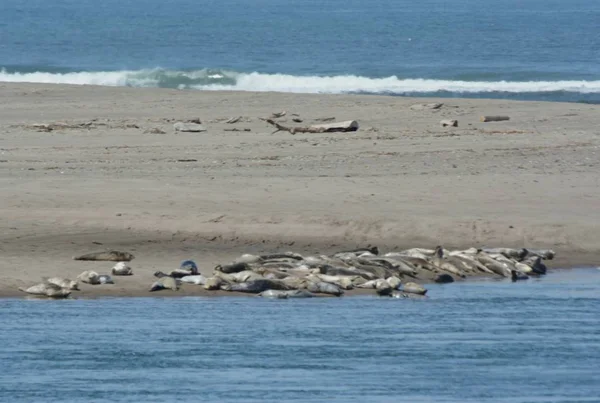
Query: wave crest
[{"x": 209, "y": 79}]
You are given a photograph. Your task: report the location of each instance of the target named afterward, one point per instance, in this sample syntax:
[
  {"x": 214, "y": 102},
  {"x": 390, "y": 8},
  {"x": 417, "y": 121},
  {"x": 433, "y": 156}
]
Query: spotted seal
[
  {"x": 121, "y": 269},
  {"x": 165, "y": 283},
  {"x": 283, "y": 294},
  {"x": 105, "y": 279},
  {"x": 234, "y": 267},
  {"x": 414, "y": 288},
  {"x": 517, "y": 275},
  {"x": 110, "y": 255},
  {"x": 322, "y": 287},
  {"x": 198, "y": 279},
  {"x": 46, "y": 289},
  {"x": 443, "y": 278},
  {"x": 256, "y": 286},
  {"x": 89, "y": 277},
  {"x": 62, "y": 282}
]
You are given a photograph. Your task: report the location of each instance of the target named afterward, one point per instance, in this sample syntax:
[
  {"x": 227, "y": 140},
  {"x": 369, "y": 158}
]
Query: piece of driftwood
[
  {"x": 297, "y": 120},
  {"x": 494, "y": 118},
  {"x": 154, "y": 130},
  {"x": 330, "y": 119},
  {"x": 449, "y": 122},
  {"x": 234, "y": 120},
  {"x": 347, "y": 126},
  {"x": 235, "y": 129},
  {"x": 420, "y": 107},
  {"x": 188, "y": 127}
]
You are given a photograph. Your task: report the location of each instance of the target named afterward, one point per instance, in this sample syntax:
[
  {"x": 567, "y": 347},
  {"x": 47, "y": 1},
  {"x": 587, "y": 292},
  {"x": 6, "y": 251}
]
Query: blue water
[
  {"x": 521, "y": 49},
  {"x": 488, "y": 341}
]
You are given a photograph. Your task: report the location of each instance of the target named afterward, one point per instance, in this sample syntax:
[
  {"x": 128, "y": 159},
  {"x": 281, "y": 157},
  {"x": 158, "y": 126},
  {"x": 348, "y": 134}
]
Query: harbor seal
[
  {"x": 414, "y": 288},
  {"x": 282, "y": 294},
  {"x": 517, "y": 254},
  {"x": 322, "y": 287},
  {"x": 62, "y": 282},
  {"x": 497, "y": 267},
  {"x": 198, "y": 279},
  {"x": 186, "y": 268},
  {"x": 248, "y": 258},
  {"x": 284, "y": 256},
  {"x": 121, "y": 269},
  {"x": 535, "y": 262},
  {"x": 105, "y": 279},
  {"x": 546, "y": 254},
  {"x": 517, "y": 275},
  {"x": 444, "y": 278},
  {"x": 374, "y": 250},
  {"x": 46, "y": 289},
  {"x": 255, "y": 286},
  {"x": 110, "y": 255},
  {"x": 273, "y": 294},
  {"x": 165, "y": 283},
  {"x": 213, "y": 283},
  {"x": 232, "y": 267},
  {"x": 89, "y": 277},
  {"x": 383, "y": 288}
]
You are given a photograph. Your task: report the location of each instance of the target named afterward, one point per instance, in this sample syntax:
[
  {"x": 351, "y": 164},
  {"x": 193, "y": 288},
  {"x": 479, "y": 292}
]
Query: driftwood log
[
  {"x": 494, "y": 118},
  {"x": 347, "y": 126}
]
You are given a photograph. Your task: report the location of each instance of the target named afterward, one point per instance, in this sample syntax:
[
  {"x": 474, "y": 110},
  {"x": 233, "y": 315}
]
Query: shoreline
[{"x": 115, "y": 174}]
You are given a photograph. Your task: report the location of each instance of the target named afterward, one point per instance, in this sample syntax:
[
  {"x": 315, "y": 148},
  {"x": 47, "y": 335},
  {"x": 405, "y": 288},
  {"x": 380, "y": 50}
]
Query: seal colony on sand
[
  {"x": 283, "y": 275},
  {"x": 291, "y": 275}
]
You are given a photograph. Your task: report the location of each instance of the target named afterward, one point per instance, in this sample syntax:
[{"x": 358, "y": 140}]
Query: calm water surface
[{"x": 487, "y": 341}]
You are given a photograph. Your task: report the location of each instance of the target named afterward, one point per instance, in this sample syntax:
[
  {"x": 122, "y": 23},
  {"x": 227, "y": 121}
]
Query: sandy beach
[{"x": 118, "y": 176}]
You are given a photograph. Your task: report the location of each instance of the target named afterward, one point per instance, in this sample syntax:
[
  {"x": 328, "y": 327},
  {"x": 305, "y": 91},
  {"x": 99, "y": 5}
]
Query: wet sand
[{"x": 400, "y": 181}]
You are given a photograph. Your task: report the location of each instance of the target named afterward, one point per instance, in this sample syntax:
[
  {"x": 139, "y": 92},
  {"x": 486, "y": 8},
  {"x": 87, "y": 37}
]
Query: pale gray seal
[
  {"x": 213, "y": 283},
  {"x": 198, "y": 279},
  {"x": 546, "y": 254},
  {"x": 111, "y": 256},
  {"x": 322, "y": 287},
  {"x": 164, "y": 283},
  {"x": 493, "y": 265},
  {"x": 105, "y": 279},
  {"x": 89, "y": 277},
  {"x": 285, "y": 255},
  {"x": 394, "y": 282},
  {"x": 282, "y": 294},
  {"x": 62, "y": 282},
  {"x": 121, "y": 269},
  {"x": 397, "y": 265},
  {"x": 46, "y": 289},
  {"x": 374, "y": 250},
  {"x": 517, "y": 254},
  {"x": 414, "y": 288}
]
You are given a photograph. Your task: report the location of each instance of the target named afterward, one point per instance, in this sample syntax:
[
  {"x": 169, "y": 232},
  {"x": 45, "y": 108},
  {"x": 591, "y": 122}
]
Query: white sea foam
[{"x": 227, "y": 80}]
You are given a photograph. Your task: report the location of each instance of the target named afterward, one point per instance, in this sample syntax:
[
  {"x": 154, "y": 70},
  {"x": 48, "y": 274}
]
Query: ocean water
[
  {"x": 517, "y": 49},
  {"x": 487, "y": 341}
]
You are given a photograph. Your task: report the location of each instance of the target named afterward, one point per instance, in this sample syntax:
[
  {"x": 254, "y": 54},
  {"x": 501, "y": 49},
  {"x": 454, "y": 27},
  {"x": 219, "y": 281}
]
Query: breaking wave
[{"x": 213, "y": 79}]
